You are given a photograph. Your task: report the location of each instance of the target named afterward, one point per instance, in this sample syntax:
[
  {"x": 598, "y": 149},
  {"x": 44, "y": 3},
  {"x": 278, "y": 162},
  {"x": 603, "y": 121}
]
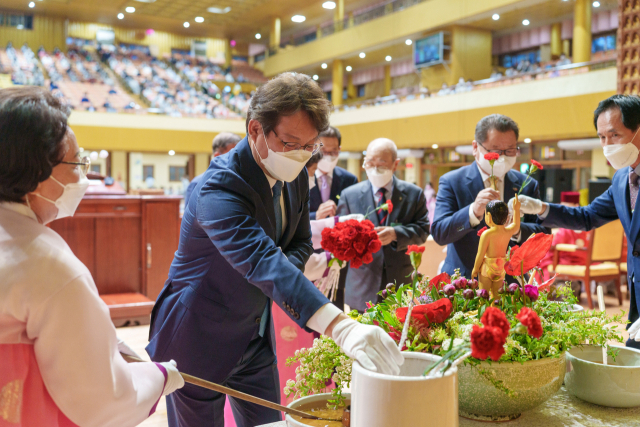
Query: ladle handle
[{"x": 600, "y": 292}]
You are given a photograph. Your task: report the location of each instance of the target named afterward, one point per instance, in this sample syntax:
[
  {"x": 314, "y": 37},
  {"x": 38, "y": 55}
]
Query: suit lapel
[
  {"x": 474, "y": 181},
  {"x": 511, "y": 186},
  {"x": 367, "y": 204},
  {"x": 398, "y": 198},
  {"x": 336, "y": 184},
  {"x": 315, "y": 196}
]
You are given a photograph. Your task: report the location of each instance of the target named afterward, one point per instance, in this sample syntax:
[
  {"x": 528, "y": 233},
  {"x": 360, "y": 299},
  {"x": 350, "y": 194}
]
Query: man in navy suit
[
  {"x": 245, "y": 238},
  {"x": 617, "y": 120},
  {"x": 464, "y": 193}
]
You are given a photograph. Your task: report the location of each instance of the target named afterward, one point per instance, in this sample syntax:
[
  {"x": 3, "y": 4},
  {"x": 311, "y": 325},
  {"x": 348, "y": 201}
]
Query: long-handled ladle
[
  {"x": 600, "y": 292},
  {"x": 237, "y": 394}
]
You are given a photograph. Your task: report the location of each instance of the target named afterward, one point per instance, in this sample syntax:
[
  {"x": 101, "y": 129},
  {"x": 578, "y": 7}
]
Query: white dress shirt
[{"x": 473, "y": 219}]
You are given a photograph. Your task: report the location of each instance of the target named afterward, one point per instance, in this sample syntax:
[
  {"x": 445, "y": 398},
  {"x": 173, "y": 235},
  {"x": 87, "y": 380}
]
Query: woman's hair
[
  {"x": 33, "y": 124},
  {"x": 498, "y": 210}
]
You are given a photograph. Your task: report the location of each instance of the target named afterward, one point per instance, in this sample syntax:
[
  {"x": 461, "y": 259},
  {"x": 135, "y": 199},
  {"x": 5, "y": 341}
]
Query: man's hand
[
  {"x": 326, "y": 209},
  {"x": 530, "y": 206},
  {"x": 484, "y": 197},
  {"x": 386, "y": 235}
]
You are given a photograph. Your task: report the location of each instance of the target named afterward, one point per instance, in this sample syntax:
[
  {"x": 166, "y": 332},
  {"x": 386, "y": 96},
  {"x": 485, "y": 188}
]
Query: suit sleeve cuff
[
  {"x": 544, "y": 214},
  {"x": 322, "y": 318},
  {"x": 473, "y": 220}
]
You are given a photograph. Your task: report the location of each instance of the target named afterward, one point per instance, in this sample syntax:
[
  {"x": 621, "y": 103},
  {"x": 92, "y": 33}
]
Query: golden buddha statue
[{"x": 494, "y": 243}]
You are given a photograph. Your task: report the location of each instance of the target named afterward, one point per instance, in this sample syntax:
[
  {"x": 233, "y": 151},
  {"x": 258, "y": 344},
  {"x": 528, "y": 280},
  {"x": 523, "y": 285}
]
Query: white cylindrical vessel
[{"x": 407, "y": 400}]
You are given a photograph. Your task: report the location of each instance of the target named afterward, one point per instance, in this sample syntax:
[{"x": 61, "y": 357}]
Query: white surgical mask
[
  {"x": 327, "y": 164},
  {"x": 500, "y": 166},
  {"x": 284, "y": 166},
  {"x": 70, "y": 198},
  {"x": 378, "y": 179},
  {"x": 312, "y": 181},
  {"x": 622, "y": 155}
]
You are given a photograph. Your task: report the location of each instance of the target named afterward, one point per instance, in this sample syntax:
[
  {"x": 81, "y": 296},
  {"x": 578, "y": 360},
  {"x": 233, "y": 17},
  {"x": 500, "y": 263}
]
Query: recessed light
[
  {"x": 362, "y": 55},
  {"x": 298, "y": 18},
  {"x": 434, "y": 146},
  {"x": 527, "y": 140},
  {"x": 171, "y": 152},
  {"x": 315, "y": 76},
  {"x": 495, "y": 17},
  {"x": 32, "y": 5},
  {"x": 387, "y": 58},
  {"x": 596, "y": 4},
  {"x": 121, "y": 16},
  {"x": 408, "y": 42},
  {"x": 349, "y": 68},
  {"x": 186, "y": 25},
  {"x": 258, "y": 36},
  {"x": 525, "y": 22},
  {"x": 20, "y": 27},
  {"x": 324, "y": 65},
  {"x": 219, "y": 10},
  {"x": 329, "y": 5},
  {"x": 130, "y": 9},
  {"x": 199, "y": 19}
]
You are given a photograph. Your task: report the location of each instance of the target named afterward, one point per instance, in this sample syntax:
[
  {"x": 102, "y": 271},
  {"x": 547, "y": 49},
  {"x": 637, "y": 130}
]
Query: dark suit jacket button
[
  {"x": 296, "y": 315},
  {"x": 635, "y": 253},
  {"x": 258, "y": 320}
]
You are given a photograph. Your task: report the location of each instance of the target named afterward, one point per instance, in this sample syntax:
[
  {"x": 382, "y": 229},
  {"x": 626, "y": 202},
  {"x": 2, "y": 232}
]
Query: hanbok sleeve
[{"x": 77, "y": 352}]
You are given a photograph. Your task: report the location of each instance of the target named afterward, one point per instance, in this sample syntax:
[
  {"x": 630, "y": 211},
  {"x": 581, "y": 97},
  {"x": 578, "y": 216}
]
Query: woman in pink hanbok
[{"x": 60, "y": 362}]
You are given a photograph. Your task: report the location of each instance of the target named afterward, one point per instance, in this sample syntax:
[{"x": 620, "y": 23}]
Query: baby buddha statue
[{"x": 494, "y": 243}]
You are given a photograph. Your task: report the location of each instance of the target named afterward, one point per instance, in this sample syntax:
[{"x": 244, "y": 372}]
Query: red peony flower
[
  {"x": 487, "y": 342},
  {"x": 389, "y": 206},
  {"x": 492, "y": 156},
  {"x": 536, "y": 164},
  {"x": 494, "y": 317},
  {"x": 435, "y": 312},
  {"x": 440, "y": 278},
  {"x": 529, "y": 254},
  {"x": 415, "y": 248},
  {"x": 482, "y": 230},
  {"x": 530, "y": 319}
]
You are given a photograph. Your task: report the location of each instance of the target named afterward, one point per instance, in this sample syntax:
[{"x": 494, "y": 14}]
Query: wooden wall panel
[
  {"x": 162, "y": 228},
  {"x": 79, "y": 233},
  {"x": 118, "y": 257},
  {"x": 47, "y": 31}
]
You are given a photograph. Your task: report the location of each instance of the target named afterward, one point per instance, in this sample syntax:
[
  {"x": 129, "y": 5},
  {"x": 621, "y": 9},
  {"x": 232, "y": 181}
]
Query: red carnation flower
[
  {"x": 492, "y": 156},
  {"x": 482, "y": 230},
  {"x": 367, "y": 258},
  {"x": 390, "y": 206},
  {"x": 530, "y": 319},
  {"x": 529, "y": 254},
  {"x": 487, "y": 342},
  {"x": 435, "y": 312},
  {"x": 374, "y": 246},
  {"x": 440, "y": 278},
  {"x": 536, "y": 164},
  {"x": 415, "y": 248},
  {"x": 494, "y": 317}
]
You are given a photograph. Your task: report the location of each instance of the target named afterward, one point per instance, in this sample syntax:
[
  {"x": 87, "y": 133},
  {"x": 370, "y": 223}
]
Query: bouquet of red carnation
[{"x": 350, "y": 241}]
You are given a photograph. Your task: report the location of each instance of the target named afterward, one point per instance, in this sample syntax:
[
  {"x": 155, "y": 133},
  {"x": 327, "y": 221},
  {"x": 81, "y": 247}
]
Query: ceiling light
[
  {"x": 142, "y": 1},
  {"x": 20, "y": 27},
  {"x": 387, "y": 58},
  {"x": 527, "y": 140},
  {"x": 596, "y": 4},
  {"x": 258, "y": 36},
  {"x": 525, "y": 22},
  {"x": 186, "y": 25},
  {"x": 329, "y": 5},
  {"x": 171, "y": 152},
  {"x": 298, "y": 18},
  {"x": 130, "y": 9},
  {"x": 495, "y": 17},
  {"x": 121, "y": 16},
  {"x": 408, "y": 42},
  {"x": 219, "y": 10},
  {"x": 362, "y": 55},
  {"x": 324, "y": 65},
  {"x": 32, "y": 5},
  {"x": 349, "y": 68},
  {"x": 199, "y": 19},
  {"x": 315, "y": 76},
  {"x": 434, "y": 146}
]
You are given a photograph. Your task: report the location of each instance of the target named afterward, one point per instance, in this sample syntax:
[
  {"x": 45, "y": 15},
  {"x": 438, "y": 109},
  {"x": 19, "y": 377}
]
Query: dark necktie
[
  {"x": 633, "y": 189},
  {"x": 382, "y": 214}
]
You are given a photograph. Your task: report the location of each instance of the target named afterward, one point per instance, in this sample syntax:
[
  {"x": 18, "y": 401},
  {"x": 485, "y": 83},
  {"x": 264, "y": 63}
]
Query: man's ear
[
  {"x": 254, "y": 129},
  {"x": 474, "y": 144}
]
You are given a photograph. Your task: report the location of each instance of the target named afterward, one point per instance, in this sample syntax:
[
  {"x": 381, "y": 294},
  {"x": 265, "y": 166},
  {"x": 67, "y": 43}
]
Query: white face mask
[
  {"x": 622, "y": 155},
  {"x": 312, "y": 181},
  {"x": 378, "y": 179},
  {"x": 284, "y": 166},
  {"x": 500, "y": 166},
  {"x": 70, "y": 198},
  {"x": 327, "y": 164}
]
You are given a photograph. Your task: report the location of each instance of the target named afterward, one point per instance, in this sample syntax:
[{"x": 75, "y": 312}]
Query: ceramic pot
[
  {"x": 316, "y": 400},
  {"x": 611, "y": 385},
  {"x": 406, "y": 400},
  {"x": 532, "y": 382}
]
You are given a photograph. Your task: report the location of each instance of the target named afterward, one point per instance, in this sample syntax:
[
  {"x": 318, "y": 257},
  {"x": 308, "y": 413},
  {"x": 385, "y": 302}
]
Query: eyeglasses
[
  {"x": 84, "y": 164},
  {"x": 379, "y": 169},
  {"x": 511, "y": 152},
  {"x": 312, "y": 147}
]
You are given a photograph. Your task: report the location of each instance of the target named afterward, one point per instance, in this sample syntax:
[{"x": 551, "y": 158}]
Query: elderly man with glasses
[{"x": 464, "y": 193}]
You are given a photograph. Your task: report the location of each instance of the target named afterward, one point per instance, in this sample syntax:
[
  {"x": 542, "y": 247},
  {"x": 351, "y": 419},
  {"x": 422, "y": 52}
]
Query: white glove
[
  {"x": 528, "y": 205},
  {"x": 125, "y": 349},
  {"x": 634, "y": 331},
  {"x": 510, "y": 205},
  {"x": 357, "y": 217},
  {"x": 369, "y": 345},
  {"x": 174, "y": 379}
]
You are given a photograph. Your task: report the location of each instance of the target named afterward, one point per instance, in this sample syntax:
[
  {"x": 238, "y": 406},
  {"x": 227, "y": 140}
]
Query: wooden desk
[{"x": 127, "y": 243}]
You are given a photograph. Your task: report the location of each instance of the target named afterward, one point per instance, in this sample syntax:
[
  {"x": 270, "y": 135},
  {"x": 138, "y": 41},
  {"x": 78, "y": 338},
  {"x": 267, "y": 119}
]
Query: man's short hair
[
  {"x": 285, "y": 95},
  {"x": 315, "y": 158},
  {"x": 498, "y": 122},
  {"x": 629, "y": 106},
  {"x": 222, "y": 140},
  {"x": 332, "y": 132},
  {"x": 498, "y": 210}
]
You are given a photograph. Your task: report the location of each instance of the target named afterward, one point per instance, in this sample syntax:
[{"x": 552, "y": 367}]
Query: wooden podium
[{"x": 127, "y": 243}]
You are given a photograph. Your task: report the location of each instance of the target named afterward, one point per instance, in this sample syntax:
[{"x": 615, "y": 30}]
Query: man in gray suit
[{"x": 407, "y": 224}]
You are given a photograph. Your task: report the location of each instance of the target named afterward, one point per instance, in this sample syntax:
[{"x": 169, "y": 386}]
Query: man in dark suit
[
  {"x": 407, "y": 223},
  {"x": 245, "y": 238},
  {"x": 617, "y": 120},
  {"x": 222, "y": 144},
  {"x": 464, "y": 193},
  {"x": 330, "y": 179}
]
